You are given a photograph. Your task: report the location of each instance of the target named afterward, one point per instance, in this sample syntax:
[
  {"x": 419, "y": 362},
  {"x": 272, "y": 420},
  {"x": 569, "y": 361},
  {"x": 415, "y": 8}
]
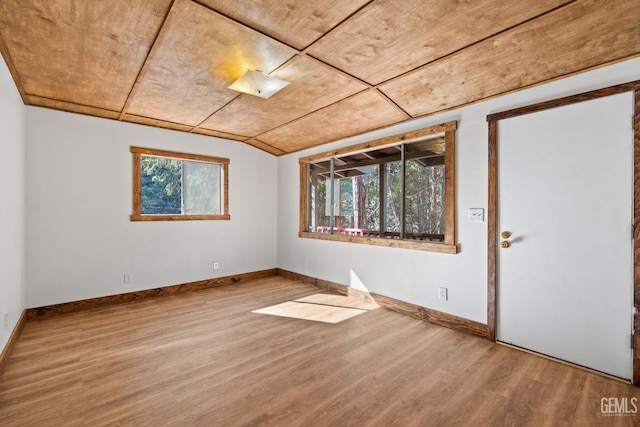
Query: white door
[{"x": 565, "y": 193}]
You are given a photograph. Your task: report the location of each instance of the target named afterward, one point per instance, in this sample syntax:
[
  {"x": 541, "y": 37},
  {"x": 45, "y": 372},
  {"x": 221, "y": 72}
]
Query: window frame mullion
[
  {"x": 383, "y": 198},
  {"x": 183, "y": 188},
  {"x": 403, "y": 171},
  {"x": 332, "y": 200}
]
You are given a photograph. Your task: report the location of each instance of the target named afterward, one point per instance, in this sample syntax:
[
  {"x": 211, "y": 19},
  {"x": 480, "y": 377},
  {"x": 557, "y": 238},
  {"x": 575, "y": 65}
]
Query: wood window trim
[
  {"x": 138, "y": 152},
  {"x": 449, "y": 246},
  {"x": 492, "y": 214}
]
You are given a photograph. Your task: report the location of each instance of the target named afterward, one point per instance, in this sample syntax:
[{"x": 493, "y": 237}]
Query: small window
[
  {"x": 177, "y": 186},
  {"x": 398, "y": 191}
]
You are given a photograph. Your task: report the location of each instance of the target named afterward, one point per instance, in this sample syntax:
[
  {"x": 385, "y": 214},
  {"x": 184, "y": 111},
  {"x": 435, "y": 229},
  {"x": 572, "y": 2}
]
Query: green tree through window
[{"x": 161, "y": 185}]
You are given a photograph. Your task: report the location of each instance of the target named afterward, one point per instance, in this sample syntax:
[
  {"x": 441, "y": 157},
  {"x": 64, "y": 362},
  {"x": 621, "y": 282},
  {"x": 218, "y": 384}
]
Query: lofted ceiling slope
[{"x": 354, "y": 65}]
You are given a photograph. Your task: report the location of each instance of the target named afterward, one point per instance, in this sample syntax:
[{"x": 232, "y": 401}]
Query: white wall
[
  {"x": 414, "y": 276},
  {"x": 79, "y": 239},
  {"x": 12, "y": 188},
  {"x": 80, "y": 242}
]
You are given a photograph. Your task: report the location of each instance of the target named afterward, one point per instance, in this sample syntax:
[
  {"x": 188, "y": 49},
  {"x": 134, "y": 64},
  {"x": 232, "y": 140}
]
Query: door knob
[
  {"x": 505, "y": 244},
  {"x": 505, "y": 234}
]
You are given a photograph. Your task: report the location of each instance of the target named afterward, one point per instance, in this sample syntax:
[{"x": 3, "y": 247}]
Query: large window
[
  {"x": 178, "y": 186},
  {"x": 398, "y": 191}
]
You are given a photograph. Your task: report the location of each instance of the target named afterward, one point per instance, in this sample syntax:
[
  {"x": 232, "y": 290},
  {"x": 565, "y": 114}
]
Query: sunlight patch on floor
[
  {"x": 339, "y": 301},
  {"x": 320, "y": 308}
]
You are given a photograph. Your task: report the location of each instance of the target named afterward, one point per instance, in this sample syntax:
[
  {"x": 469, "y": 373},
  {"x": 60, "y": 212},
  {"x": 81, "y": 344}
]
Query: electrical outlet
[
  {"x": 443, "y": 294},
  {"x": 6, "y": 320},
  {"x": 476, "y": 215},
  {"x": 128, "y": 278},
  {"x": 216, "y": 266}
]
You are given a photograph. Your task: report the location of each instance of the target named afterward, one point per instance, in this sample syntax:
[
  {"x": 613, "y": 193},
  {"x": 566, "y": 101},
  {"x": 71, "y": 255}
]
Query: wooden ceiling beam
[
  {"x": 265, "y": 147},
  {"x": 132, "y": 118},
  {"x": 217, "y": 134},
  {"x": 71, "y": 107}
]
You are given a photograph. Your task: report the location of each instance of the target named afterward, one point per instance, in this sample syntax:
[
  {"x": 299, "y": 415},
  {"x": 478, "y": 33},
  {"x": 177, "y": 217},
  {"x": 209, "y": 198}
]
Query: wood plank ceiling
[{"x": 354, "y": 65}]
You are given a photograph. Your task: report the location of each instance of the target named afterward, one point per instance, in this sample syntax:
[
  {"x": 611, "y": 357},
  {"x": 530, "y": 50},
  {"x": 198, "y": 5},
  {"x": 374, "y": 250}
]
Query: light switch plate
[{"x": 476, "y": 215}]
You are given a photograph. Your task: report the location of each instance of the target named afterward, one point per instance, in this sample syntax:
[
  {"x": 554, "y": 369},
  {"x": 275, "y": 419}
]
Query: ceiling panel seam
[
  {"x": 311, "y": 112},
  {"x": 330, "y": 30},
  {"x": 494, "y": 35},
  {"x": 125, "y": 107}
]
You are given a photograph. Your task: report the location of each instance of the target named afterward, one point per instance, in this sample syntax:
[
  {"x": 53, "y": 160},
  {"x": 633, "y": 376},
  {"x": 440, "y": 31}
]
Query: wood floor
[{"x": 204, "y": 359}]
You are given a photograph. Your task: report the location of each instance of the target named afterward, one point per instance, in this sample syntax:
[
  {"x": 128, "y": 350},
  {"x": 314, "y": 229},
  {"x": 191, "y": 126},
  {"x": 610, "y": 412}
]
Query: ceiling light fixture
[{"x": 257, "y": 83}]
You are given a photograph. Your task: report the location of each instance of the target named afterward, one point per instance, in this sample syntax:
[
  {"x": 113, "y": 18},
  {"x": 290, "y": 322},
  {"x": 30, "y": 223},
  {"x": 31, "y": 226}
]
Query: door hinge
[{"x": 632, "y": 341}]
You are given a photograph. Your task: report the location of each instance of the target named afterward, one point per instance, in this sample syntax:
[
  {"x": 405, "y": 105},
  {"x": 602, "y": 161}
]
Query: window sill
[
  {"x": 392, "y": 243},
  {"x": 179, "y": 217}
]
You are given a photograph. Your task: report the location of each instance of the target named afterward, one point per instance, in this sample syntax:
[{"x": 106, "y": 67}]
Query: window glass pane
[
  {"x": 359, "y": 202},
  {"x": 319, "y": 200},
  {"x": 202, "y": 188},
  {"x": 393, "y": 198},
  {"x": 367, "y": 196},
  {"x": 424, "y": 202},
  {"x": 160, "y": 185},
  {"x": 336, "y": 199},
  {"x": 425, "y": 190},
  {"x": 344, "y": 207}
]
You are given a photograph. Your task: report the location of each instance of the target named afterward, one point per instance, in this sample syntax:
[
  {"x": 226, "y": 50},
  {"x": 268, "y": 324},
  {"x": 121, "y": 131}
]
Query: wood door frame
[{"x": 492, "y": 208}]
